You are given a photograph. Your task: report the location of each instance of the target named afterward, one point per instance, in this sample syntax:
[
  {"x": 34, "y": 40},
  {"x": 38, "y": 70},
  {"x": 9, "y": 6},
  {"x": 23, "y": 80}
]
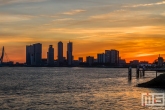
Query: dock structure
[
  {"x": 155, "y": 69},
  {"x": 140, "y": 72}
]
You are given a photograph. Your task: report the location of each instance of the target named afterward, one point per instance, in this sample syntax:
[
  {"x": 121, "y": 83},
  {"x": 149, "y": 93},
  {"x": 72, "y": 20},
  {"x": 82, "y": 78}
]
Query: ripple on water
[{"x": 70, "y": 88}]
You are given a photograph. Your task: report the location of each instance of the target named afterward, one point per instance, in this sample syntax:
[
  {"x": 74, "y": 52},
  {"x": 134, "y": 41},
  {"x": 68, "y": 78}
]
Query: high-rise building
[
  {"x": 29, "y": 54},
  {"x": 114, "y": 59},
  {"x": 90, "y": 60},
  {"x": 34, "y": 54},
  {"x": 50, "y": 56},
  {"x": 69, "y": 53},
  {"x": 37, "y": 53},
  {"x": 107, "y": 56},
  {"x": 101, "y": 58},
  {"x": 60, "y": 52}
]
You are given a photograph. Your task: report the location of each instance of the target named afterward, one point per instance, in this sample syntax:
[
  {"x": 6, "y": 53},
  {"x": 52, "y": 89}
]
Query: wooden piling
[
  {"x": 129, "y": 73},
  {"x": 137, "y": 73},
  {"x": 143, "y": 71}
]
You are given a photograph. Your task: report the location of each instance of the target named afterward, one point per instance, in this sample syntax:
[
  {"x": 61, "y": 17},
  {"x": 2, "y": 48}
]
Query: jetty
[{"x": 141, "y": 71}]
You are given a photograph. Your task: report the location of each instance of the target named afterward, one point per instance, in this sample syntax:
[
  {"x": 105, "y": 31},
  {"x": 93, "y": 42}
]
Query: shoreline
[{"x": 158, "y": 82}]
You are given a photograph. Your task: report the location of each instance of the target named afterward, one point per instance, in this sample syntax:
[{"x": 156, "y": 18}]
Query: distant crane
[{"x": 1, "y": 58}]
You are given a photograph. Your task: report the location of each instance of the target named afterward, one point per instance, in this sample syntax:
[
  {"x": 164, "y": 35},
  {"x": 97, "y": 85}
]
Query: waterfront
[{"x": 70, "y": 88}]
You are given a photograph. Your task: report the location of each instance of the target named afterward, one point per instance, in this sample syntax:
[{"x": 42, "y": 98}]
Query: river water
[{"x": 28, "y": 88}]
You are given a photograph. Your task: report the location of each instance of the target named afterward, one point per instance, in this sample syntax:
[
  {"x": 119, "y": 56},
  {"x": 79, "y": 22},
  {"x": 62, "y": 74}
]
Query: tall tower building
[
  {"x": 107, "y": 56},
  {"x": 34, "y": 54},
  {"x": 37, "y": 54},
  {"x": 69, "y": 53},
  {"x": 50, "y": 56},
  {"x": 60, "y": 52},
  {"x": 29, "y": 53},
  {"x": 114, "y": 59}
]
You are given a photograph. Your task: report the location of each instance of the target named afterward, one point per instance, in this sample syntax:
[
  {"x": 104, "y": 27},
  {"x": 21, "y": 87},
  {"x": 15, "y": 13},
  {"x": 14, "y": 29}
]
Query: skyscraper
[
  {"x": 101, "y": 58},
  {"x": 50, "y": 56},
  {"x": 112, "y": 56},
  {"x": 107, "y": 56},
  {"x": 37, "y": 53},
  {"x": 34, "y": 54},
  {"x": 60, "y": 52},
  {"x": 69, "y": 53},
  {"x": 114, "y": 59},
  {"x": 29, "y": 54}
]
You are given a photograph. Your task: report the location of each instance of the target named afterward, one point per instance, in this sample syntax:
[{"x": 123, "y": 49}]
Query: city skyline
[
  {"x": 34, "y": 57},
  {"x": 69, "y": 45},
  {"x": 135, "y": 28}
]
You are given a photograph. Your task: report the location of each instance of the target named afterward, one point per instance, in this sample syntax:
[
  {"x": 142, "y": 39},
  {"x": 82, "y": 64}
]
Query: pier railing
[{"x": 140, "y": 72}]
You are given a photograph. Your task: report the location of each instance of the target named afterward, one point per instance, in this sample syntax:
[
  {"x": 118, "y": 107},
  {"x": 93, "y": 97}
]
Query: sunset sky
[{"x": 134, "y": 27}]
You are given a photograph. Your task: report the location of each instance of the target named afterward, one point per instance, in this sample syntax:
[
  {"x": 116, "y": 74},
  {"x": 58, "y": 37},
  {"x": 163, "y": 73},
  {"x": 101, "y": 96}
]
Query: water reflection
[{"x": 70, "y": 88}]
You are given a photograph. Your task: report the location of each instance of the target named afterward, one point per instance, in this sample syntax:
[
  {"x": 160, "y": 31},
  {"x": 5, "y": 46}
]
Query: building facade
[
  {"x": 112, "y": 57},
  {"x": 160, "y": 61},
  {"x": 101, "y": 58},
  {"x": 80, "y": 59},
  {"x": 107, "y": 56},
  {"x": 34, "y": 54},
  {"x": 60, "y": 52},
  {"x": 69, "y": 53},
  {"x": 50, "y": 56},
  {"x": 90, "y": 60}
]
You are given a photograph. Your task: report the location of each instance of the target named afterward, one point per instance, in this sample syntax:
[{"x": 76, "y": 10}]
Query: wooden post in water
[
  {"x": 140, "y": 73},
  {"x": 129, "y": 73},
  {"x": 137, "y": 72},
  {"x": 143, "y": 71}
]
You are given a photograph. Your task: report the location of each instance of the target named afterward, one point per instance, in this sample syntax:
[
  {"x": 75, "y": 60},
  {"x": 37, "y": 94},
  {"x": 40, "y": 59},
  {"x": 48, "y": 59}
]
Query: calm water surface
[{"x": 70, "y": 89}]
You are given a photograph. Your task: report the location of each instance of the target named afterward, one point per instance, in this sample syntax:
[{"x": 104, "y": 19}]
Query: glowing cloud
[
  {"x": 73, "y": 12},
  {"x": 149, "y": 4}
]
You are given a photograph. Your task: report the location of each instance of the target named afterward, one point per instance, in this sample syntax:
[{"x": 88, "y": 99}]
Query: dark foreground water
[{"x": 70, "y": 89}]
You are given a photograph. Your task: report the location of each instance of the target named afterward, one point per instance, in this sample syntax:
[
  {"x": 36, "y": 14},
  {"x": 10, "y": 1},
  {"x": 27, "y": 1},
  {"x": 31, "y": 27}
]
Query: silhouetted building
[
  {"x": 112, "y": 57},
  {"x": 60, "y": 52},
  {"x": 34, "y": 54},
  {"x": 144, "y": 63},
  {"x": 29, "y": 54},
  {"x": 107, "y": 56},
  {"x": 44, "y": 61},
  {"x": 69, "y": 53},
  {"x": 50, "y": 56},
  {"x": 76, "y": 62},
  {"x": 101, "y": 58},
  {"x": 134, "y": 62},
  {"x": 122, "y": 62},
  {"x": 160, "y": 61},
  {"x": 80, "y": 59},
  {"x": 90, "y": 60}
]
